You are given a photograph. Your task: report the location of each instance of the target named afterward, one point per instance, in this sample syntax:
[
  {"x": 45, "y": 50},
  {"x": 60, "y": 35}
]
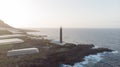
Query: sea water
[{"x": 109, "y": 38}]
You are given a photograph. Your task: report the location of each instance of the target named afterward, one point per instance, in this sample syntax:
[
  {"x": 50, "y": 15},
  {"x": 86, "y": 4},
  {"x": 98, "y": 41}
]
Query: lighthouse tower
[{"x": 61, "y": 41}]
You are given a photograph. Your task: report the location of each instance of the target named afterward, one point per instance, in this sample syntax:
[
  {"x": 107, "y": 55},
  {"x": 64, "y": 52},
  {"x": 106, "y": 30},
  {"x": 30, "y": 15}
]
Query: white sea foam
[
  {"x": 115, "y": 52},
  {"x": 88, "y": 59},
  {"x": 91, "y": 59}
]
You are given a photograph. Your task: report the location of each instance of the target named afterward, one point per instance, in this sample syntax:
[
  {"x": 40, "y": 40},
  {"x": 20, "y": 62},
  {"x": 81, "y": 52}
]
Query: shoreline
[
  {"x": 62, "y": 54},
  {"x": 50, "y": 54},
  {"x": 65, "y": 54}
]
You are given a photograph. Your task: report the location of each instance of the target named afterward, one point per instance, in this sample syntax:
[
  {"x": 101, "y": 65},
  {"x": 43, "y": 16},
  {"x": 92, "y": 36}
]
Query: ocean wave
[{"x": 91, "y": 59}]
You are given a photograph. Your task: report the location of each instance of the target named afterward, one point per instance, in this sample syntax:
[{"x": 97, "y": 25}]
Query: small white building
[
  {"x": 25, "y": 51},
  {"x": 57, "y": 42}
]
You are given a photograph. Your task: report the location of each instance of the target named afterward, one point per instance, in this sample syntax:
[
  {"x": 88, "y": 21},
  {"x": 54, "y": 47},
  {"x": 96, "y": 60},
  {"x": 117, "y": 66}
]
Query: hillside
[{"x": 4, "y": 25}]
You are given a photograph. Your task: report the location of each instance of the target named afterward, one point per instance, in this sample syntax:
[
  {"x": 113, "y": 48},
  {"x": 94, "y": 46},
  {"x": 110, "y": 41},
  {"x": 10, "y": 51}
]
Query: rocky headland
[
  {"x": 50, "y": 54},
  {"x": 54, "y": 55}
]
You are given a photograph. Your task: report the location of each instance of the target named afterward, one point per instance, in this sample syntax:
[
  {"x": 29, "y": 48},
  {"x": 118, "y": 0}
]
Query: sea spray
[{"x": 90, "y": 60}]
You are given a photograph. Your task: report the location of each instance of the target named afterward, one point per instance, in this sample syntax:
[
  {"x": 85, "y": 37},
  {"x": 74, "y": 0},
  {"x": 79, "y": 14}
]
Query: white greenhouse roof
[
  {"x": 14, "y": 31},
  {"x": 11, "y": 41},
  {"x": 12, "y": 35},
  {"x": 18, "y": 52},
  {"x": 36, "y": 34}
]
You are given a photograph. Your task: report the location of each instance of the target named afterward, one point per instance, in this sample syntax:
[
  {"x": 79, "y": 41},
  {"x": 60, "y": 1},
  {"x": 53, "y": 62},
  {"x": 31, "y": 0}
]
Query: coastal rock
[{"x": 72, "y": 53}]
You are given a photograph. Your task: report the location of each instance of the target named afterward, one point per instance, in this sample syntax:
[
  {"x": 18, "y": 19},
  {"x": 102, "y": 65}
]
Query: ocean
[{"x": 107, "y": 38}]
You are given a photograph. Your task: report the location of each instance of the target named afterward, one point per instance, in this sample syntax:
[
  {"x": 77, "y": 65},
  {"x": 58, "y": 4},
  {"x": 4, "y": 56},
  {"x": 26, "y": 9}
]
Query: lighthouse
[{"x": 61, "y": 41}]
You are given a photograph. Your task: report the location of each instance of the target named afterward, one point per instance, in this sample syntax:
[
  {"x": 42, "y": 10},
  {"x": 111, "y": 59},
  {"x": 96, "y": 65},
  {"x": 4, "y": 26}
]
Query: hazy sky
[{"x": 56, "y": 13}]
